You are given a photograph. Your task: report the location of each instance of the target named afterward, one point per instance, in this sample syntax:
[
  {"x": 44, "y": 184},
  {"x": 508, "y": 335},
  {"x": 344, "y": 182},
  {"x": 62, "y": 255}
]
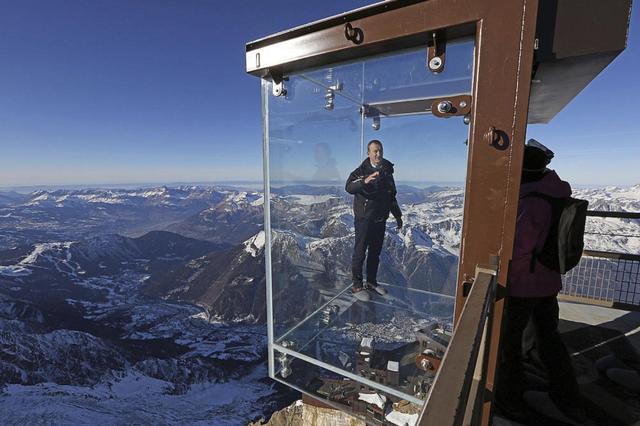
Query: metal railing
[
  {"x": 455, "y": 396},
  {"x": 604, "y": 277}
]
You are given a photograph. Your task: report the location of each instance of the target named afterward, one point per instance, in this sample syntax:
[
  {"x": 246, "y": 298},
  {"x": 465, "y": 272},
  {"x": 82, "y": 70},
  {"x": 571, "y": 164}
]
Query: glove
[{"x": 399, "y": 222}]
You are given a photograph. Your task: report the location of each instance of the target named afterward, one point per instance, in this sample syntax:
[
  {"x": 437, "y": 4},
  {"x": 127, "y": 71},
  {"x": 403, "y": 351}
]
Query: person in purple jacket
[{"x": 532, "y": 294}]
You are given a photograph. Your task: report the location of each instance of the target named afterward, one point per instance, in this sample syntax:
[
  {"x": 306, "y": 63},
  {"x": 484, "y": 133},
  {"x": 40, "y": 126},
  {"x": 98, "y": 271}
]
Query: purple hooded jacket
[{"x": 532, "y": 227}]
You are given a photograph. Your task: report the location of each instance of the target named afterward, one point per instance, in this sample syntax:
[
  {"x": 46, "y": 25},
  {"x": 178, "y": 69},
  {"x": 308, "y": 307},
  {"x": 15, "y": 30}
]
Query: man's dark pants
[
  {"x": 543, "y": 312},
  {"x": 369, "y": 239}
]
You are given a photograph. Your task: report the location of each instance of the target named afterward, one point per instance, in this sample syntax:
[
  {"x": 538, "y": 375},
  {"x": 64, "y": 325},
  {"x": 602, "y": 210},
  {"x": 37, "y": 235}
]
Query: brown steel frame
[
  {"x": 456, "y": 393},
  {"x": 504, "y": 33}
]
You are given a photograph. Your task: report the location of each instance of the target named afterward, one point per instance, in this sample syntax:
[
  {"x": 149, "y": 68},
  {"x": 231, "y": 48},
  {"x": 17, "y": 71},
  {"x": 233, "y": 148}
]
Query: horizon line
[{"x": 236, "y": 182}]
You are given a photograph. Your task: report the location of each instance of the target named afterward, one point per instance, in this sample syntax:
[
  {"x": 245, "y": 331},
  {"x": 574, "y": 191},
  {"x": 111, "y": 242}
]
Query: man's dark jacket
[{"x": 373, "y": 200}]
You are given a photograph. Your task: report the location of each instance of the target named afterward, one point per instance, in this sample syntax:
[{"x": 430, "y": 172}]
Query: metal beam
[{"x": 403, "y": 25}]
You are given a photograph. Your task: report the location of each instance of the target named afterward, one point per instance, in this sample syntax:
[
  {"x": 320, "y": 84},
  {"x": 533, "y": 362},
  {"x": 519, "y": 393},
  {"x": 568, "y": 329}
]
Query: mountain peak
[{"x": 255, "y": 244}]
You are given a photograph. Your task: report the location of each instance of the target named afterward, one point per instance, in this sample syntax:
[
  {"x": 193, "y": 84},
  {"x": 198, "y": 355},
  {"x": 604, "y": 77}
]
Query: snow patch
[
  {"x": 307, "y": 200},
  {"x": 255, "y": 244},
  {"x": 402, "y": 419},
  {"x": 373, "y": 399},
  {"x": 14, "y": 271}
]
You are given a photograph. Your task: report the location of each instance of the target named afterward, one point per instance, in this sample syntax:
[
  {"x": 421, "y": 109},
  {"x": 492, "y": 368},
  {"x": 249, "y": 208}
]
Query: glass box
[{"x": 357, "y": 355}]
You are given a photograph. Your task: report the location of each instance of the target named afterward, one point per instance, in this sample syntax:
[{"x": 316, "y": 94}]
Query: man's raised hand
[{"x": 371, "y": 177}]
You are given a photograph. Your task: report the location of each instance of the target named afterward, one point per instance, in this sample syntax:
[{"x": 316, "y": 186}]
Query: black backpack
[{"x": 563, "y": 247}]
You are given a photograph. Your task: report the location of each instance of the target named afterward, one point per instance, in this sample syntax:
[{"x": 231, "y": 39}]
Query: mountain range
[{"x": 156, "y": 296}]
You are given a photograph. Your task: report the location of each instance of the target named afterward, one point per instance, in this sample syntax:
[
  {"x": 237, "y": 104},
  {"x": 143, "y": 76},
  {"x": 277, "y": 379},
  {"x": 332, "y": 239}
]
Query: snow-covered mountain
[
  {"x": 235, "y": 218},
  {"x": 314, "y": 234},
  {"x": 149, "y": 364},
  {"x": 8, "y": 198},
  {"x": 77, "y": 214},
  {"x": 100, "y": 315},
  {"x": 77, "y": 335},
  {"x": 147, "y": 196},
  {"x": 610, "y": 234}
]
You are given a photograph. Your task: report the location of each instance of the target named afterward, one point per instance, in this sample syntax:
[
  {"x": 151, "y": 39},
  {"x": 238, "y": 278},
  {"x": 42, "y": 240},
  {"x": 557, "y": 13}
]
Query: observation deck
[{"x": 449, "y": 88}]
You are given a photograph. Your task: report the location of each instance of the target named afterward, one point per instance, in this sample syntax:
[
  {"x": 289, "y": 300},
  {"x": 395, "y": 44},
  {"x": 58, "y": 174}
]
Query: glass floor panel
[
  {"x": 394, "y": 331},
  {"x": 353, "y": 397}
]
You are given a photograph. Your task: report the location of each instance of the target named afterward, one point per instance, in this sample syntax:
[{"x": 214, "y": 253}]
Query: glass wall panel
[
  {"x": 317, "y": 134},
  {"x": 314, "y": 139}
]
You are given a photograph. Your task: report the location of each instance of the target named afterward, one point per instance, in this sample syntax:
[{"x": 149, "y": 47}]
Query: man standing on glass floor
[{"x": 374, "y": 193}]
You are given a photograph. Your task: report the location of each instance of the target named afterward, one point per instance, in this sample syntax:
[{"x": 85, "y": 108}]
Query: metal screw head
[
  {"x": 435, "y": 63},
  {"x": 444, "y": 107},
  {"x": 463, "y": 104},
  {"x": 466, "y": 119}
]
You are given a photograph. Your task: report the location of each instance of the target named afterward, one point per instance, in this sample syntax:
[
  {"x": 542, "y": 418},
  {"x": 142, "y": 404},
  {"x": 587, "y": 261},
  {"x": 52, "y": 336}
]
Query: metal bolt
[
  {"x": 466, "y": 119},
  {"x": 279, "y": 89},
  {"x": 329, "y": 96},
  {"x": 463, "y": 104},
  {"x": 435, "y": 63},
  {"x": 444, "y": 107}
]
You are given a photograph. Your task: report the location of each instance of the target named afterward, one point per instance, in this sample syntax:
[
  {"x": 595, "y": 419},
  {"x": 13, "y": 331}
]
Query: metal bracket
[
  {"x": 374, "y": 113},
  {"x": 436, "y": 53},
  {"x": 466, "y": 286},
  {"x": 278, "y": 88},
  {"x": 501, "y": 292},
  {"x": 285, "y": 360},
  {"x": 454, "y": 105}
]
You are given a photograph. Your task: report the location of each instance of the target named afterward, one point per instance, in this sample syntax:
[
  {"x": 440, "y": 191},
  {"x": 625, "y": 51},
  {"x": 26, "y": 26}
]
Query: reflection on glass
[
  {"x": 404, "y": 76},
  {"x": 317, "y": 134}
]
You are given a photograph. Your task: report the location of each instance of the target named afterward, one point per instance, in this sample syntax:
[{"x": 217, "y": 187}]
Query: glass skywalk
[{"x": 322, "y": 341}]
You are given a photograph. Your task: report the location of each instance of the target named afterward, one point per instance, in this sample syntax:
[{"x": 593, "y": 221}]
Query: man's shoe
[
  {"x": 377, "y": 288},
  {"x": 360, "y": 293}
]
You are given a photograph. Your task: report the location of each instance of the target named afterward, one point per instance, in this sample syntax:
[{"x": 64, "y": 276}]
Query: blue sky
[{"x": 155, "y": 91}]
